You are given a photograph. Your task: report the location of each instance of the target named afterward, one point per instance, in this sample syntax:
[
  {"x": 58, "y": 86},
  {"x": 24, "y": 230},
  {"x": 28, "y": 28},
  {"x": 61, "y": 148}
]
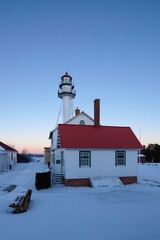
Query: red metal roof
[
  {"x": 105, "y": 137},
  {"x": 6, "y": 147},
  {"x": 81, "y": 113}
]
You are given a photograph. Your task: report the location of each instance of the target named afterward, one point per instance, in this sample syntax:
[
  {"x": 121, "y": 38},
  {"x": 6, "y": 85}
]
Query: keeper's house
[{"x": 86, "y": 151}]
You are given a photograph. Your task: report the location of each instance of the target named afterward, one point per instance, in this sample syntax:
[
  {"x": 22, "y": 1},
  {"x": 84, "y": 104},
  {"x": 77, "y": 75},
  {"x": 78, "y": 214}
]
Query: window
[
  {"x": 12, "y": 156},
  {"x": 58, "y": 140},
  {"x": 120, "y": 158},
  {"x": 82, "y": 122},
  {"x": 66, "y": 80},
  {"x": 58, "y": 161},
  {"x": 84, "y": 159}
]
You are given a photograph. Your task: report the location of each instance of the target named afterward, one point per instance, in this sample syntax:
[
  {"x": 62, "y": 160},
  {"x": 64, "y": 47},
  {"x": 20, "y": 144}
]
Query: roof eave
[
  {"x": 76, "y": 148},
  {"x": 50, "y": 134}
]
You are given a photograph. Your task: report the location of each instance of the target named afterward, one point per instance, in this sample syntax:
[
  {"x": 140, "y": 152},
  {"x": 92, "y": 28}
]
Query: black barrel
[{"x": 43, "y": 180}]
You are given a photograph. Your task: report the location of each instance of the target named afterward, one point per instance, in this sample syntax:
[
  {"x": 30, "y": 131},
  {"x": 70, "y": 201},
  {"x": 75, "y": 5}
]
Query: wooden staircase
[{"x": 57, "y": 178}]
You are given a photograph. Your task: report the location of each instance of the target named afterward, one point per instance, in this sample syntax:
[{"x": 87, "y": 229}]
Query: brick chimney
[
  {"x": 97, "y": 113},
  {"x": 77, "y": 111}
]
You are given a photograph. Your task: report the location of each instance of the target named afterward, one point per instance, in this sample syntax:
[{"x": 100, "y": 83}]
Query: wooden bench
[{"x": 21, "y": 203}]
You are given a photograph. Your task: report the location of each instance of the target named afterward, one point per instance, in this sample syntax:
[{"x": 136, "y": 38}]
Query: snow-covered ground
[{"x": 131, "y": 212}]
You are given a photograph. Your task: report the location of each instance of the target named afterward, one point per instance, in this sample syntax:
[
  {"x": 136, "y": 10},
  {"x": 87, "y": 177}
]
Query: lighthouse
[{"x": 67, "y": 93}]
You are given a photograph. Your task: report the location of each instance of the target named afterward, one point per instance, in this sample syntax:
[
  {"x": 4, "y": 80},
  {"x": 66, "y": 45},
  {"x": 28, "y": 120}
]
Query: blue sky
[{"x": 111, "y": 49}]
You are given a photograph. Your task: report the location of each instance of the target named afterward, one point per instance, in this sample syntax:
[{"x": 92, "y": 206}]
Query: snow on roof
[
  {"x": 104, "y": 137},
  {"x": 6, "y": 147},
  {"x": 141, "y": 155}
]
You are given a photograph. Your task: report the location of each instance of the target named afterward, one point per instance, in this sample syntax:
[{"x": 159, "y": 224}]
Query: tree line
[{"x": 152, "y": 152}]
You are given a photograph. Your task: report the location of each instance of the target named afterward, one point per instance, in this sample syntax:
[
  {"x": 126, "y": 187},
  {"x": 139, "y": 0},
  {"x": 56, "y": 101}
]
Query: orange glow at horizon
[{"x": 31, "y": 147}]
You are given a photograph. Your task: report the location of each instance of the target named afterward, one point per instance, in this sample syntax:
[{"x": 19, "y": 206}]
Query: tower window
[
  {"x": 66, "y": 80},
  {"x": 82, "y": 122}
]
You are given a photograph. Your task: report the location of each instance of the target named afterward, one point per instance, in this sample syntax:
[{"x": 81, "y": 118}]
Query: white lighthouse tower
[{"x": 66, "y": 93}]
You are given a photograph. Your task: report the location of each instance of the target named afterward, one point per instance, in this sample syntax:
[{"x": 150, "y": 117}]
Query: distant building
[
  {"x": 8, "y": 156},
  {"x": 36, "y": 157},
  {"x": 47, "y": 155},
  {"x": 4, "y": 162}
]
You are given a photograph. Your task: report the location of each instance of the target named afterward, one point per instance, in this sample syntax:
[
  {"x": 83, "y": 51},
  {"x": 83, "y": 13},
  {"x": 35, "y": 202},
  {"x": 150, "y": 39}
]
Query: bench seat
[{"x": 21, "y": 203}]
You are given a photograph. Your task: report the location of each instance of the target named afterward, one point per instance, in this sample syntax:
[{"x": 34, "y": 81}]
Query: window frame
[
  {"x": 82, "y": 122},
  {"x": 58, "y": 161},
  {"x": 116, "y": 158},
  {"x": 58, "y": 140},
  {"x": 89, "y": 160}
]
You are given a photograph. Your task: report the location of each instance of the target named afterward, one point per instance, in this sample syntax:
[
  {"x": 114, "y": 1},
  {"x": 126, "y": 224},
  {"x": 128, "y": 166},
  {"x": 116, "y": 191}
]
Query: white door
[{"x": 58, "y": 167}]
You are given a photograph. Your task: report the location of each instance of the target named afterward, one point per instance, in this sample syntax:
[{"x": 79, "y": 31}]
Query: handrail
[{"x": 60, "y": 91}]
